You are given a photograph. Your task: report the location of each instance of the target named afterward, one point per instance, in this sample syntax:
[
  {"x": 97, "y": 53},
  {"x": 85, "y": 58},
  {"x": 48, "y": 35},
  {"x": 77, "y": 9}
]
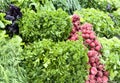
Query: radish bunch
[
  {"x": 76, "y": 27},
  {"x": 97, "y": 73}
]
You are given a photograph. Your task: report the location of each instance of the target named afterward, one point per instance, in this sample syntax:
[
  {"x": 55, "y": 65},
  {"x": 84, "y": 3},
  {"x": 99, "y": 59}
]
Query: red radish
[
  {"x": 99, "y": 80},
  {"x": 87, "y": 81},
  {"x": 77, "y": 22},
  {"x": 92, "y": 81},
  {"x": 97, "y": 48},
  {"x": 75, "y": 17},
  {"x": 92, "y": 49},
  {"x": 86, "y": 35},
  {"x": 91, "y": 53},
  {"x": 88, "y": 31},
  {"x": 97, "y": 59},
  {"x": 88, "y": 41},
  {"x": 106, "y": 73},
  {"x": 89, "y": 26},
  {"x": 83, "y": 35},
  {"x": 83, "y": 27},
  {"x": 73, "y": 38},
  {"x": 100, "y": 67},
  {"x": 96, "y": 42},
  {"x": 84, "y": 31},
  {"x": 92, "y": 44},
  {"x": 100, "y": 73},
  {"x": 73, "y": 20},
  {"x": 91, "y": 32},
  {"x": 93, "y": 65},
  {"x": 77, "y": 28},
  {"x": 71, "y": 34},
  {"x": 105, "y": 79},
  {"x": 73, "y": 30},
  {"x": 93, "y": 70},
  {"x": 92, "y": 36},
  {"x": 98, "y": 63},
  {"x": 76, "y": 36},
  {"x": 95, "y": 52},
  {"x": 92, "y": 59},
  {"x": 91, "y": 77}
]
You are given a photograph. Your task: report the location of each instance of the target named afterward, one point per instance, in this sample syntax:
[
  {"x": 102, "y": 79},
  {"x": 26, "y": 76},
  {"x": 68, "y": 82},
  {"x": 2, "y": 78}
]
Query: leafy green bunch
[
  {"x": 10, "y": 56},
  {"x": 103, "y": 5},
  {"x": 111, "y": 57},
  {"x": 67, "y": 5},
  {"x": 55, "y": 25},
  {"x": 49, "y": 62}
]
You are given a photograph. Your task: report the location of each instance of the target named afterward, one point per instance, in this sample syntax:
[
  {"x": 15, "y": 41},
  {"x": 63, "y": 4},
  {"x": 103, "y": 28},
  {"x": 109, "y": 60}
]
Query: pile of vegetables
[{"x": 42, "y": 42}]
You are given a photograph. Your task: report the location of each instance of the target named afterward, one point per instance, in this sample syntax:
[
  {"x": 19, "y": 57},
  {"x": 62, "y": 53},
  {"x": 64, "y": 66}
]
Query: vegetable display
[{"x": 59, "y": 41}]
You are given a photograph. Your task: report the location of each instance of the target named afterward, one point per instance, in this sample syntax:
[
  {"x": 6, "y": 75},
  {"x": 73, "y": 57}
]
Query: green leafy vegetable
[
  {"x": 10, "y": 51},
  {"x": 55, "y": 25},
  {"x": 67, "y": 5},
  {"x": 111, "y": 57},
  {"x": 49, "y": 62}
]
